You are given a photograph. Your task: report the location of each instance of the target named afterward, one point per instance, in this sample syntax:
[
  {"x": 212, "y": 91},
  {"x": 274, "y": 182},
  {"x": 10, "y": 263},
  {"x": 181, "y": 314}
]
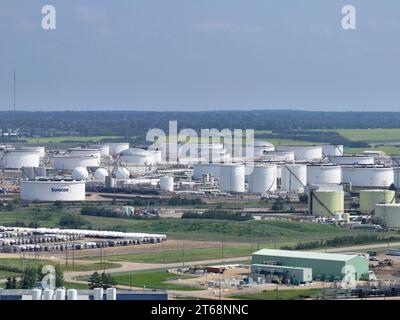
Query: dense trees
[{"x": 104, "y": 280}]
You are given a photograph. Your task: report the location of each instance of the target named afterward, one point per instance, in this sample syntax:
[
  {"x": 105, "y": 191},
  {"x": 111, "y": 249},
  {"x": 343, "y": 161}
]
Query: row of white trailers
[{"x": 294, "y": 177}]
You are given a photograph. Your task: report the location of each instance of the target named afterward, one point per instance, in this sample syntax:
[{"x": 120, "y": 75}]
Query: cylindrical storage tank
[
  {"x": 39, "y": 149},
  {"x": 71, "y": 162},
  {"x": 352, "y": 160},
  {"x": 50, "y": 190},
  {"x": 72, "y": 294},
  {"x": 36, "y": 294},
  {"x": 48, "y": 294},
  {"x": 157, "y": 155},
  {"x": 324, "y": 174},
  {"x": 100, "y": 174},
  {"x": 232, "y": 177},
  {"x": 200, "y": 169},
  {"x": 303, "y": 153},
  {"x": 368, "y": 176},
  {"x": 80, "y": 173},
  {"x": 60, "y": 294},
  {"x": 370, "y": 198},
  {"x": 122, "y": 174},
  {"x": 98, "y": 293},
  {"x": 329, "y": 150},
  {"x": 294, "y": 177},
  {"x": 263, "y": 179},
  {"x": 111, "y": 294},
  {"x": 167, "y": 183},
  {"x": 389, "y": 214},
  {"x": 285, "y": 156},
  {"x": 104, "y": 149},
  {"x": 262, "y": 147},
  {"x": 16, "y": 159},
  {"x": 136, "y": 156},
  {"x": 326, "y": 202},
  {"x": 83, "y": 152},
  {"x": 117, "y": 148},
  {"x": 396, "y": 173}
]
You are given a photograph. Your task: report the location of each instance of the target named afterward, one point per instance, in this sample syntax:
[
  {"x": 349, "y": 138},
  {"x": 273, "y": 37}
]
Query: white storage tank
[
  {"x": 167, "y": 183},
  {"x": 98, "y": 293},
  {"x": 16, "y": 159},
  {"x": 64, "y": 162},
  {"x": 200, "y": 169},
  {"x": 80, "y": 173},
  {"x": 137, "y": 157},
  {"x": 389, "y": 214},
  {"x": 72, "y": 294},
  {"x": 48, "y": 294},
  {"x": 104, "y": 149},
  {"x": 368, "y": 176},
  {"x": 232, "y": 177},
  {"x": 39, "y": 149},
  {"x": 294, "y": 177},
  {"x": 60, "y": 294},
  {"x": 329, "y": 150},
  {"x": 396, "y": 174},
  {"x": 157, "y": 155},
  {"x": 122, "y": 174},
  {"x": 263, "y": 179},
  {"x": 52, "y": 190},
  {"x": 352, "y": 160},
  {"x": 117, "y": 148},
  {"x": 324, "y": 174},
  {"x": 100, "y": 174},
  {"x": 36, "y": 294},
  {"x": 285, "y": 156},
  {"x": 83, "y": 152},
  {"x": 303, "y": 153},
  {"x": 262, "y": 147}
]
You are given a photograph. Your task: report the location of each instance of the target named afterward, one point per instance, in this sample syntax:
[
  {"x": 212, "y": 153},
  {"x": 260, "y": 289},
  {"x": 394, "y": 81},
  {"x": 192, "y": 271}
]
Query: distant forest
[{"x": 128, "y": 124}]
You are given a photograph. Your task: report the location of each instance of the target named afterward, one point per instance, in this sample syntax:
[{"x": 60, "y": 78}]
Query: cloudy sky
[{"x": 200, "y": 55}]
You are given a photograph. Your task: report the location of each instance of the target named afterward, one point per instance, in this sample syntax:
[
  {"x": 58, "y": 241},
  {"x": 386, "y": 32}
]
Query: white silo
[
  {"x": 324, "y": 174},
  {"x": 111, "y": 294},
  {"x": 48, "y": 294},
  {"x": 232, "y": 177},
  {"x": 98, "y": 293},
  {"x": 80, "y": 173},
  {"x": 167, "y": 183},
  {"x": 100, "y": 174},
  {"x": 122, "y": 174},
  {"x": 36, "y": 294},
  {"x": 263, "y": 179},
  {"x": 294, "y": 177}
]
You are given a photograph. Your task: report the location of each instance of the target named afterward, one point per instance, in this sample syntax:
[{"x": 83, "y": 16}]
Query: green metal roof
[{"x": 304, "y": 255}]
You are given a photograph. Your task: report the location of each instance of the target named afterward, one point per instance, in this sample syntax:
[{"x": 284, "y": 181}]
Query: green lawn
[
  {"x": 296, "y": 294},
  {"x": 152, "y": 279},
  {"x": 68, "y": 138}
]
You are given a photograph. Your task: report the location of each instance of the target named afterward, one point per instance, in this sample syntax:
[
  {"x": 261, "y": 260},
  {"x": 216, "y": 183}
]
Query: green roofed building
[{"x": 325, "y": 266}]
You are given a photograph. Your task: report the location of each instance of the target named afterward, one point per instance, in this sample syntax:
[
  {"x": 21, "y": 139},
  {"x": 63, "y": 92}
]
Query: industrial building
[{"x": 324, "y": 266}]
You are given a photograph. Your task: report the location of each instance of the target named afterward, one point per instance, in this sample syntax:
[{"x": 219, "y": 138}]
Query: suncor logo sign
[{"x": 64, "y": 189}]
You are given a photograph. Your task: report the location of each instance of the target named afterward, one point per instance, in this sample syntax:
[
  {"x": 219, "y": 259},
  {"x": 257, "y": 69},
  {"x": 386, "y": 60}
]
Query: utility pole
[{"x": 15, "y": 90}]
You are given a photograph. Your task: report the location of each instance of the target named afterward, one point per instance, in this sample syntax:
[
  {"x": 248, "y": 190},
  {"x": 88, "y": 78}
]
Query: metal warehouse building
[{"x": 325, "y": 266}]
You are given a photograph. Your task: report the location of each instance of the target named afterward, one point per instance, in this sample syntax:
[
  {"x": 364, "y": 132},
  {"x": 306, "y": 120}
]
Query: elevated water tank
[
  {"x": 326, "y": 202},
  {"x": 294, "y": 177},
  {"x": 263, "y": 179},
  {"x": 370, "y": 198}
]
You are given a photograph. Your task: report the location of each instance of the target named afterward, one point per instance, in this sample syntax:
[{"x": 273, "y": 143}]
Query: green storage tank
[
  {"x": 389, "y": 214},
  {"x": 370, "y": 198},
  {"x": 326, "y": 202}
]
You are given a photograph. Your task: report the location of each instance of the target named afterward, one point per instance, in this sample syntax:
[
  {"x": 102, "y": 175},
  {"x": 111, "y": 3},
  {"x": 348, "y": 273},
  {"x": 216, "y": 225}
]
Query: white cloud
[{"x": 228, "y": 26}]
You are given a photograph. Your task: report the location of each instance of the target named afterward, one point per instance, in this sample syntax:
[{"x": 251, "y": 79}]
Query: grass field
[
  {"x": 297, "y": 294},
  {"x": 68, "y": 138},
  {"x": 152, "y": 279},
  {"x": 370, "y": 134}
]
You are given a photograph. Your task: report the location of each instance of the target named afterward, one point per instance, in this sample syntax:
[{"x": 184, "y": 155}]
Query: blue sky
[{"x": 200, "y": 55}]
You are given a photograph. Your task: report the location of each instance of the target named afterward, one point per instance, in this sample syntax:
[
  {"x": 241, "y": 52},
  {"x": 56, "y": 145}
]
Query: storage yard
[{"x": 143, "y": 208}]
